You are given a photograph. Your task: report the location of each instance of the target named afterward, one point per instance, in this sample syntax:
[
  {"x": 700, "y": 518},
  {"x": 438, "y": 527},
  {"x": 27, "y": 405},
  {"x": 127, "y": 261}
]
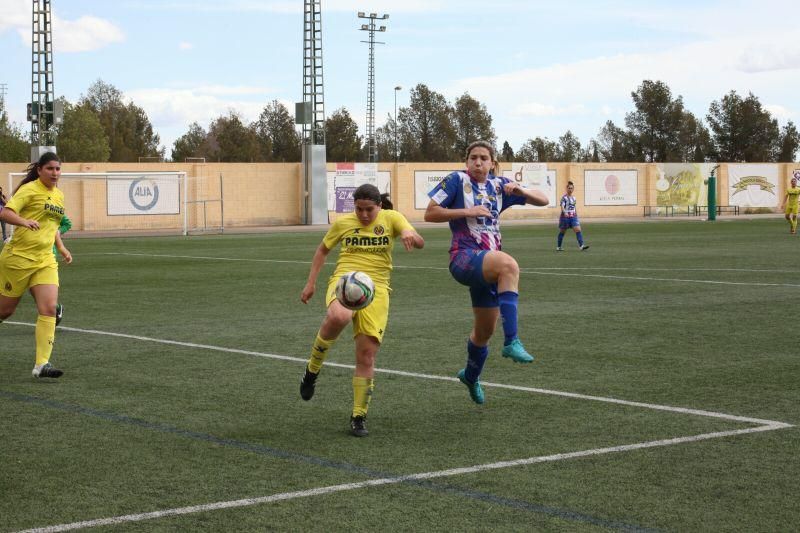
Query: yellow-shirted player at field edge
[
  {"x": 790, "y": 205},
  {"x": 27, "y": 261},
  {"x": 367, "y": 238}
]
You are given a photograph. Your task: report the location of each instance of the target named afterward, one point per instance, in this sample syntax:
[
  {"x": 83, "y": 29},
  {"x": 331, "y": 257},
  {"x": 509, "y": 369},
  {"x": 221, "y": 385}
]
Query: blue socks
[
  {"x": 508, "y": 311},
  {"x": 560, "y": 239},
  {"x": 476, "y": 357},
  {"x": 579, "y": 235}
]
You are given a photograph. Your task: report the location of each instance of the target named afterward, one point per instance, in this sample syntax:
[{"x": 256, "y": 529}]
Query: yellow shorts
[
  {"x": 19, "y": 273},
  {"x": 791, "y": 209},
  {"x": 371, "y": 320}
]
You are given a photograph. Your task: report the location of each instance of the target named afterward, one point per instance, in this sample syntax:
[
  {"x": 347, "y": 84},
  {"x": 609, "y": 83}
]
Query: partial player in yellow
[
  {"x": 27, "y": 261},
  {"x": 789, "y": 205},
  {"x": 367, "y": 238}
]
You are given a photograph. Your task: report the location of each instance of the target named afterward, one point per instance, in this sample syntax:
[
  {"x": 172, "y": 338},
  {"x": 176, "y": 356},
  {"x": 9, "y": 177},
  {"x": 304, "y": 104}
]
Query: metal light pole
[
  {"x": 372, "y": 17},
  {"x": 396, "y": 151}
]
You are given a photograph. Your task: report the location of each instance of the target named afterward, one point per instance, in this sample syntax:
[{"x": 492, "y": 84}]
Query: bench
[{"x": 700, "y": 209}]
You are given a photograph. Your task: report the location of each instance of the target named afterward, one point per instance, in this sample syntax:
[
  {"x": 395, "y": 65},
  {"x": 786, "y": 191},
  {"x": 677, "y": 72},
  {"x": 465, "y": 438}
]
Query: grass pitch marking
[
  {"x": 761, "y": 426},
  {"x": 682, "y": 410},
  {"x": 544, "y": 271}
]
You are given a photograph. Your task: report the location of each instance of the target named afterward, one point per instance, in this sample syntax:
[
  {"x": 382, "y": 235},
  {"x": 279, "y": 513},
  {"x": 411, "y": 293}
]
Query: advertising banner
[
  {"x": 753, "y": 185},
  {"x": 347, "y": 178},
  {"x": 424, "y": 182},
  {"x": 143, "y": 195},
  {"x": 534, "y": 176},
  {"x": 682, "y": 184},
  {"x": 611, "y": 187}
]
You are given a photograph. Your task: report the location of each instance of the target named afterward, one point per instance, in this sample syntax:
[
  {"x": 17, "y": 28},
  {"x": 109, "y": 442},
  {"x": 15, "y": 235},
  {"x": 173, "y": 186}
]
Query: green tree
[
  {"x": 789, "y": 144},
  {"x": 342, "y": 142},
  {"x": 656, "y": 122},
  {"x": 276, "y": 131},
  {"x": 230, "y": 141},
  {"x": 538, "y": 150},
  {"x": 568, "y": 149},
  {"x": 127, "y": 127},
  {"x": 81, "y": 137},
  {"x": 694, "y": 140},
  {"x": 615, "y": 144},
  {"x": 426, "y": 127},
  {"x": 193, "y": 143},
  {"x": 384, "y": 142},
  {"x": 13, "y": 146},
  {"x": 507, "y": 153},
  {"x": 742, "y": 130},
  {"x": 472, "y": 123}
]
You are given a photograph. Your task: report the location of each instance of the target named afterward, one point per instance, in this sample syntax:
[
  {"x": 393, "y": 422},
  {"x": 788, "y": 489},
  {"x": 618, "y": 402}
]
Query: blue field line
[{"x": 572, "y": 516}]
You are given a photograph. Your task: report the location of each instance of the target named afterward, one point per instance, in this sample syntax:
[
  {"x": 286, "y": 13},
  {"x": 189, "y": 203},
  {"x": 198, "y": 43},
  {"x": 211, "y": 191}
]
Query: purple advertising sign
[{"x": 344, "y": 199}]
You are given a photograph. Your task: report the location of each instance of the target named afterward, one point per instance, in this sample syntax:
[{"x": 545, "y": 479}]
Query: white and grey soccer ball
[{"x": 355, "y": 290}]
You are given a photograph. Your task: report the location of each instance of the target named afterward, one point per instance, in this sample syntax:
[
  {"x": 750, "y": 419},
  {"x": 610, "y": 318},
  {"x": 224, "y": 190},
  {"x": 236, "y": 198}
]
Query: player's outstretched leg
[{"x": 512, "y": 346}]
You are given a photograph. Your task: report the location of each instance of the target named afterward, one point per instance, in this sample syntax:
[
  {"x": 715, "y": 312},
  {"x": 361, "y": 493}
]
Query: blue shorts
[
  {"x": 467, "y": 268},
  {"x": 568, "y": 222}
]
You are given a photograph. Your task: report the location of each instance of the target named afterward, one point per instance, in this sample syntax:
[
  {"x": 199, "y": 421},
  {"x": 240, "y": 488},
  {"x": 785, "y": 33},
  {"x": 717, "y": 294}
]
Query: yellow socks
[
  {"x": 362, "y": 394},
  {"x": 45, "y": 335},
  {"x": 319, "y": 351}
]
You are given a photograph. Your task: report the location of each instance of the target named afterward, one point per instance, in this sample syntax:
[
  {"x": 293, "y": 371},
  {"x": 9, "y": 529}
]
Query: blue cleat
[
  {"x": 516, "y": 351},
  {"x": 475, "y": 389}
]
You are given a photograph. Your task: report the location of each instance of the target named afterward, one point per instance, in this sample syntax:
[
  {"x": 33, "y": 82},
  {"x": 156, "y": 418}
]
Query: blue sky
[{"x": 540, "y": 67}]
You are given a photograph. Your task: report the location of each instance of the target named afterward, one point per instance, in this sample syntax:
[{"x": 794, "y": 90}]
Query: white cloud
[
  {"x": 84, "y": 34},
  {"x": 185, "y": 46},
  {"x": 81, "y": 35},
  {"x": 172, "y": 110},
  {"x": 15, "y": 14},
  {"x": 780, "y": 112}
]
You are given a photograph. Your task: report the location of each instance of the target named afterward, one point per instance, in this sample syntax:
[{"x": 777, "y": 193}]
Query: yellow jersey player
[
  {"x": 27, "y": 261},
  {"x": 790, "y": 205},
  {"x": 366, "y": 237}
]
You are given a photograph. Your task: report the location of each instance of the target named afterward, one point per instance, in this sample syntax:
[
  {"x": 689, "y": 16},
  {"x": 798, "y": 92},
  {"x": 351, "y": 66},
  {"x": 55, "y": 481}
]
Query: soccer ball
[{"x": 355, "y": 290}]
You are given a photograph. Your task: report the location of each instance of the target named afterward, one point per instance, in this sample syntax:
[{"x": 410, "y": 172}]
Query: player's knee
[{"x": 510, "y": 267}]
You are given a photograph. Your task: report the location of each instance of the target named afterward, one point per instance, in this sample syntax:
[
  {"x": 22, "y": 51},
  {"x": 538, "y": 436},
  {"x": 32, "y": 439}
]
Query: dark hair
[
  {"x": 371, "y": 192},
  {"x": 33, "y": 169},
  {"x": 570, "y": 183}
]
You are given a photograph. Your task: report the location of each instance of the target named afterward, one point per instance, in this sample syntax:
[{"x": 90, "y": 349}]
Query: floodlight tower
[
  {"x": 44, "y": 113},
  {"x": 310, "y": 113},
  {"x": 372, "y": 17}
]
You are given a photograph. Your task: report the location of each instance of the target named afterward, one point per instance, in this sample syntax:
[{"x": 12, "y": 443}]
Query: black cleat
[
  {"x": 59, "y": 313},
  {"x": 47, "y": 371},
  {"x": 307, "y": 384},
  {"x": 358, "y": 426}
]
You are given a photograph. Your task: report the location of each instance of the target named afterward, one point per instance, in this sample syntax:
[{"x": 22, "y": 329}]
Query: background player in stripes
[{"x": 569, "y": 219}]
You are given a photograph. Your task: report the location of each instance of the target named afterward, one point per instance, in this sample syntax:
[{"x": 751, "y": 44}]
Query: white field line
[
  {"x": 390, "y": 481},
  {"x": 545, "y": 271},
  {"x": 681, "y": 410},
  {"x": 764, "y": 425}
]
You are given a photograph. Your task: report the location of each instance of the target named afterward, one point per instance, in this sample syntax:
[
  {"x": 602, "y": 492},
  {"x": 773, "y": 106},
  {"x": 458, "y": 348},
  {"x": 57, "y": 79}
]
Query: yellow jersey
[
  {"x": 34, "y": 201},
  {"x": 366, "y": 248},
  {"x": 792, "y": 194}
]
